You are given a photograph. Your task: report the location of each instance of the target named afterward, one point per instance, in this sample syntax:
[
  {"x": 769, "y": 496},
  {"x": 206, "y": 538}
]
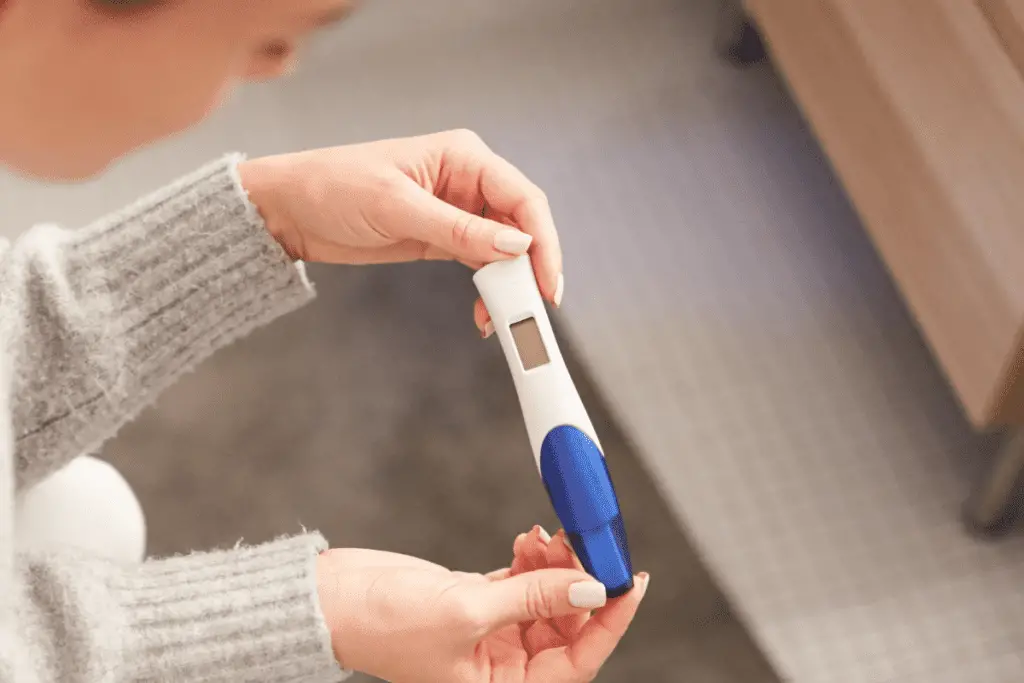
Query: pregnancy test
[{"x": 565, "y": 446}]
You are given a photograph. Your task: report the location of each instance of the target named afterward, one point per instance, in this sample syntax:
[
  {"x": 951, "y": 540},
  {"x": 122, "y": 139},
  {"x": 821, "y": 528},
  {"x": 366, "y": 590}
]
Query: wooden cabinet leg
[{"x": 994, "y": 504}]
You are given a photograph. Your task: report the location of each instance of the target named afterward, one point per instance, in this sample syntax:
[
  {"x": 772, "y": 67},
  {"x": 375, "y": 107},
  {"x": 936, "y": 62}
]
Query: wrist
[
  {"x": 264, "y": 184},
  {"x": 334, "y": 598}
]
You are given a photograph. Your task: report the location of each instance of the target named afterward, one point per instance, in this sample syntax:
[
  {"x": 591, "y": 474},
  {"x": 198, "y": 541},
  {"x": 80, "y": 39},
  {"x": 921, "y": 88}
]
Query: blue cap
[{"x": 580, "y": 487}]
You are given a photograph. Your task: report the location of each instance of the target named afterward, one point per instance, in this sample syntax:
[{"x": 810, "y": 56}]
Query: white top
[{"x": 546, "y": 392}]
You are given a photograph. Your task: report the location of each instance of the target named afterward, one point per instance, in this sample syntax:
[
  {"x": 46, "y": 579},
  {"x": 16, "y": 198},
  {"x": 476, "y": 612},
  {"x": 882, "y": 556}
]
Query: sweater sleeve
[
  {"x": 247, "y": 614},
  {"x": 100, "y": 320},
  {"x": 94, "y": 323}
]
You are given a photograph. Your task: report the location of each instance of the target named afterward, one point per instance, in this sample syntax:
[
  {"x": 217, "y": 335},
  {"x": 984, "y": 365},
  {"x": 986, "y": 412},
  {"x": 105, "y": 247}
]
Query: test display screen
[{"x": 529, "y": 343}]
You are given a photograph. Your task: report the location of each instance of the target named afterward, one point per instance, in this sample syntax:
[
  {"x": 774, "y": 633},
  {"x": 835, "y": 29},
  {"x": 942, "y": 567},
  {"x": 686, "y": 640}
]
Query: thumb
[
  {"x": 464, "y": 235},
  {"x": 540, "y": 594}
]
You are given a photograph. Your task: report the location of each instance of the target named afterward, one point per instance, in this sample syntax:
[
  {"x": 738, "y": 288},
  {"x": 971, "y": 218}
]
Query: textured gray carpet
[{"x": 377, "y": 416}]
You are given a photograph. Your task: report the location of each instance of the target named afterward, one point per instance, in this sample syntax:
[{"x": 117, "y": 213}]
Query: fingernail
[
  {"x": 568, "y": 543},
  {"x": 643, "y": 580},
  {"x": 587, "y": 595},
  {"x": 512, "y": 241},
  {"x": 544, "y": 535},
  {"x": 559, "y": 288},
  {"x": 488, "y": 329}
]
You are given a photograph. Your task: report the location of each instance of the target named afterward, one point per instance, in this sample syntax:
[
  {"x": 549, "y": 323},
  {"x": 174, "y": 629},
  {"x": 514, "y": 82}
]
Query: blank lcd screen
[{"x": 529, "y": 344}]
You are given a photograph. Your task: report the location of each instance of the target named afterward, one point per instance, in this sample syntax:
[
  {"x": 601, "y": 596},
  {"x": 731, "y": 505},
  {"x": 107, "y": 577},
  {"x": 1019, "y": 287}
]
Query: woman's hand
[
  {"x": 407, "y": 620},
  {"x": 443, "y": 196}
]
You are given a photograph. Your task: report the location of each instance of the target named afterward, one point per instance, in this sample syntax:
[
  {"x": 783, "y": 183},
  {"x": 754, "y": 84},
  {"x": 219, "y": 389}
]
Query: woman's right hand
[{"x": 406, "y": 620}]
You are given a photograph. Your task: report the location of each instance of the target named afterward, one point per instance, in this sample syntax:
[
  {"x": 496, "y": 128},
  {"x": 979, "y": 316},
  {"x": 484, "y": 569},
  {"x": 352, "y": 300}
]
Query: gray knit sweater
[{"x": 94, "y": 323}]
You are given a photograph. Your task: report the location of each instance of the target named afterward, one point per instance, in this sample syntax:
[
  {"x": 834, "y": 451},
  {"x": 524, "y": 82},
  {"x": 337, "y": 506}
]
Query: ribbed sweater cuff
[
  {"x": 196, "y": 267},
  {"x": 131, "y": 302},
  {"x": 248, "y": 614}
]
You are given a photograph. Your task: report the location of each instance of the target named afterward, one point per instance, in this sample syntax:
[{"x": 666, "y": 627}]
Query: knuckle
[
  {"x": 467, "y": 137},
  {"x": 540, "y": 601},
  {"x": 540, "y": 199},
  {"x": 536, "y": 201},
  {"x": 464, "y": 231}
]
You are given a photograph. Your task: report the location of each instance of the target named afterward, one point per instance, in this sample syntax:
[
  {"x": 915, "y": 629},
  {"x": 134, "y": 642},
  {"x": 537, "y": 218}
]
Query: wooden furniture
[{"x": 920, "y": 108}]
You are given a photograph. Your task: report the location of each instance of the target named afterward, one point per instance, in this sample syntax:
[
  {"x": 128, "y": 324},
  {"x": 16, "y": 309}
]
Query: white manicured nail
[
  {"x": 544, "y": 535},
  {"x": 568, "y": 543},
  {"x": 488, "y": 329},
  {"x": 512, "y": 241},
  {"x": 587, "y": 595},
  {"x": 559, "y": 288}
]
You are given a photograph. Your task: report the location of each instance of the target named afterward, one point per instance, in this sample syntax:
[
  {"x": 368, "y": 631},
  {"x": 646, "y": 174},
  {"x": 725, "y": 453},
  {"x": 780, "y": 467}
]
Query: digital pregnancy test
[{"x": 566, "y": 449}]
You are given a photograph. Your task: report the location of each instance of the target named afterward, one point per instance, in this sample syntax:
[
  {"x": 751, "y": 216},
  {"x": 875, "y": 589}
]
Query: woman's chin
[{"x": 66, "y": 169}]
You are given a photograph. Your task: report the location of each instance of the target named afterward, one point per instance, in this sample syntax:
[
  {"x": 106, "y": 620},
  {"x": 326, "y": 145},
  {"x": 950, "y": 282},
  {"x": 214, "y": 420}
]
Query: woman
[{"x": 95, "y": 322}]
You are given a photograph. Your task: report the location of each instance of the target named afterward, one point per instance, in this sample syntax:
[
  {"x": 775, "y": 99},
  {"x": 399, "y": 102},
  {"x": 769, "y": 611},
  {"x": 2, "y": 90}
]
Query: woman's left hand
[
  {"x": 542, "y": 620},
  {"x": 437, "y": 197}
]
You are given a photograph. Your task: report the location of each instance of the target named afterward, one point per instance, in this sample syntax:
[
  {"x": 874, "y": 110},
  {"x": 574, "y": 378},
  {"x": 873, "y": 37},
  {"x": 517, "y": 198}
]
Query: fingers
[
  {"x": 527, "y": 553},
  {"x": 508, "y": 191},
  {"x": 561, "y": 554},
  {"x": 530, "y": 552},
  {"x": 533, "y": 548},
  {"x": 540, "y": 594},
  {"x": 509, "y": 197},
  {"x": 558, "y": 554},
  {"x": 482, "y": 319},
  {"x": 539, "y": 636},
  {"x": 536, "y": 550},
  {"x": 596, "y": 641},
  {"x": 519, "y": 556},
  {"x": 464, "y": 235},
  {"x": 523, "y": 559}
]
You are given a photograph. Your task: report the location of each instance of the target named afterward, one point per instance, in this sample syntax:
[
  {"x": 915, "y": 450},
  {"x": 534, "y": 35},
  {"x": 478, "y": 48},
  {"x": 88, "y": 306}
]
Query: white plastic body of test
[{"x": 547, "y": 395}]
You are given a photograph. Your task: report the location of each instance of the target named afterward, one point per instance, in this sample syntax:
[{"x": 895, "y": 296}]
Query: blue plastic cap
[
  {"x": 605, "y": 555},
  {"x": 581, "y": 491}
]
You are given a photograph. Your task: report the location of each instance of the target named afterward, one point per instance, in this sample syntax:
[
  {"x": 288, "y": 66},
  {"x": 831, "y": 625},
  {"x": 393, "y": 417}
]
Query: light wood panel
[{"x": 921, "y": 111}]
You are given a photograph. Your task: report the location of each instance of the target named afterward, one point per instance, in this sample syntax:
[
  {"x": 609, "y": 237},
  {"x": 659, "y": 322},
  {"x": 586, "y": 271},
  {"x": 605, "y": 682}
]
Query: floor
[{"x": 378, "y": 416}]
